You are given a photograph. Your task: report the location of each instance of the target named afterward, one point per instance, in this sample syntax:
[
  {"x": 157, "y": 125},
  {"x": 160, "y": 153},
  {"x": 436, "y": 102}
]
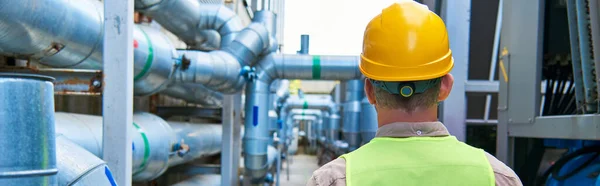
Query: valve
[
  {"x": 248, "y": 72},
  {"x": 181, "y": 149}
]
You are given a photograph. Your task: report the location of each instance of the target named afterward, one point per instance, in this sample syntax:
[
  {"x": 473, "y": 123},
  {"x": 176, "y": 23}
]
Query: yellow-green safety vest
[{"x": 418, "y": 161}]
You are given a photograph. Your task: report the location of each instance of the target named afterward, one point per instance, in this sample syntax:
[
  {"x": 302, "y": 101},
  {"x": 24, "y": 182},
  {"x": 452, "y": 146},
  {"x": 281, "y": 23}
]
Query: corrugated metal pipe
[
  {"x": 156, "y": 143},
  {"x": 368, "y": 121},
  {"x": 277, "y": 66},
  {"x": 351, "y": 112},
  {"x": 193, "y": 22}
]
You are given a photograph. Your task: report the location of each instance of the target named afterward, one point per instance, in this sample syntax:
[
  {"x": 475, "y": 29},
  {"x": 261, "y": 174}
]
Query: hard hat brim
[{"x": 381, "y": 72}]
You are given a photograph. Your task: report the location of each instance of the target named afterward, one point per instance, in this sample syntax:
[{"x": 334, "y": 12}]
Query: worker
[{"x": 406, "y": 60}]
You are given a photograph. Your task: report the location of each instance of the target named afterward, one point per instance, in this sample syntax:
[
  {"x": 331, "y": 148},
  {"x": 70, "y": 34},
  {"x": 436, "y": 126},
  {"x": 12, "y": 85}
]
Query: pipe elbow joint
[{"x": 250, "y": 43}]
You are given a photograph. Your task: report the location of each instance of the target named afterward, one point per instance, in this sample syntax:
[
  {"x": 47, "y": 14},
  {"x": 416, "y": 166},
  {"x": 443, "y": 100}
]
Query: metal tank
[{"x": 27, "y": 130}]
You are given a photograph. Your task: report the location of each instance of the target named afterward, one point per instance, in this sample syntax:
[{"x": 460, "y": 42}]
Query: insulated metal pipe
[
  {"x": 216, "y": 70},
  {"x": 351, "y": 108},
  {"x": 256, "y": 129},
  {"x": 368, "y": 121},
  {"x": 274, "y": 66},
  {"x": 587, "y": 60},
  {"x": 58, "y": 33},
  {"x": 27, "y": 130},
  {"x": 286, "y": 66},
  {"x": 304, "y": 44},
  {"x": 269, "y": 20},
  {"x": 193, "y": 22},
  {"x": 152, "y": 140},
  {"x": 203, "y": 140},
  {"x": 576, "y": 56},
  {"x": 195, "y": 93},
  {"x": 155, "y": 61},
  {"x": 78, "y": 166}
]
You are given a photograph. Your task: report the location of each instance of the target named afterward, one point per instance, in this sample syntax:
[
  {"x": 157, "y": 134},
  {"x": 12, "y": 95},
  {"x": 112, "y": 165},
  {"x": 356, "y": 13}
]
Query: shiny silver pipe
[
  {"x": 217, "y": 70},
  {"x": 78, "y": 166},
  {"x": 368, "y": 121},
  {"x": 195, "y": 93},
  {"x": 155, "y": 142},
  {"x": 152, "y": 140},
  {"x": 202, "y": 139},
  {"x": 351, "y": 112},
  {"x": 274, "y": 66},
  {"x": 193, "y": 22},
  {"x": 27, "y": 130},
  {"x": 285, "y": 66},
  {"x": 58, "y": 33},
  {"x": 155, "y": 61}
]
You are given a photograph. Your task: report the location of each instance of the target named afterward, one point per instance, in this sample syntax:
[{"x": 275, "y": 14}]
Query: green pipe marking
[
  {"x": 146, "y": 147},
  {"x": 316, "y": 67},
  {"x": 149, "y": 59}
]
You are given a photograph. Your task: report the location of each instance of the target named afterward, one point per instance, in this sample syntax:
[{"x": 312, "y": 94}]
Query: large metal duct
[
  {"x": 79, "y": 167},
  {"x": 27, "y": 130},
  {"x": 154, "y": 141},
  {"x": 217, "y": 70},
  {"x": 203, "y": 140},
  {"x": 274, "y": 66},
  {"x": 195, "y": 93},
  {"x": 58, "y": 33},
  {"x": 68, "y": 34},
  {"x": 368, "y": 121},
  {"x": 194, "y": 22},
  {"x": 351, "y": 112}
]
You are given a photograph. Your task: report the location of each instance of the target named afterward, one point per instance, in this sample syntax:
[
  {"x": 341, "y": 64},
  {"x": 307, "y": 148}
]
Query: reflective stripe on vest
[{"x": 418, "y": 161}]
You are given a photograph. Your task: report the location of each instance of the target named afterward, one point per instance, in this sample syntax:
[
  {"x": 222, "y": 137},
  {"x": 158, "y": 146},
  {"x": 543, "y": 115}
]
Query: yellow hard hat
[{"x": 406, "y": 42}]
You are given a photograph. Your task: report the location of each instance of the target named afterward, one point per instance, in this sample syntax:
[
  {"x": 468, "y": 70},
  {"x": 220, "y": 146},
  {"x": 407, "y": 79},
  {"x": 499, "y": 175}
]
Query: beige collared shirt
[{"x": 334, "y": 172}]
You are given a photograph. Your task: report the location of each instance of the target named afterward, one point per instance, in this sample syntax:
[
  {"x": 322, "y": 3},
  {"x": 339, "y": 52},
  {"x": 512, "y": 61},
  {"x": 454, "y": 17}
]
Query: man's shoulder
[
  {"x": 330, "y": 174},
  {"x": 504, "y": 175}
]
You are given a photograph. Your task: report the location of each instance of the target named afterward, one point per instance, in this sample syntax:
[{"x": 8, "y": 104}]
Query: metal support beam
[
  {"x": 561, "y": 127},
  {"x": 520, "y": 70},
  {"x": 458, "y": 14},
  {"x": 230, "y": 151},
  {"x": 482, "y": 86},
  {"x": 118, "y": 88}
]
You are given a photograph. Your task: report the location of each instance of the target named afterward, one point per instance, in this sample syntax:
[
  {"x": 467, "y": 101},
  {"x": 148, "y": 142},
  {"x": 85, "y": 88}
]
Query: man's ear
[
  {"x": 445, "y": 87},
  {"x": 370, "y": 92}
]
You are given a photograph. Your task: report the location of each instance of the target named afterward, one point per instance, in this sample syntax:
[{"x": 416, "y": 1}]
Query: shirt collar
[{"x": 407, "y": 129}]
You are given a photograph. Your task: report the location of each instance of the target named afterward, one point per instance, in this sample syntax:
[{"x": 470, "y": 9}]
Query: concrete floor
[{"x": 301, "y": 170}]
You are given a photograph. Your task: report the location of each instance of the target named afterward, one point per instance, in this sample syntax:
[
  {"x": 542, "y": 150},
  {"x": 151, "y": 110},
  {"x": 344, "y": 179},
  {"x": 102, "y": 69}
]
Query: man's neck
[{"x": 386, "y": 116}]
